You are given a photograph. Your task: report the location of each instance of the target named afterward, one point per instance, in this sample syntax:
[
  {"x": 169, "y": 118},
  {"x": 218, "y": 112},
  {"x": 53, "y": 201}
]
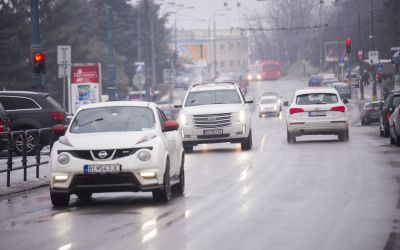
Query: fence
[{"x": 38, "y": 134}]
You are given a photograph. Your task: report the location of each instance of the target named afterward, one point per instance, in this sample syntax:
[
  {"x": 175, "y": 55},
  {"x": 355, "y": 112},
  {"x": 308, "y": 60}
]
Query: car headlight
[
  {"x": 183, "y": 119},
  {"x": 144, "y": 155},
  {"x": 249, "y": 77},
  {"x": 275, "y": 107},
  {"x": 242, "y": 115},
  {"x": 258, "y": 77},
  {"x": 63, "y": 159}
]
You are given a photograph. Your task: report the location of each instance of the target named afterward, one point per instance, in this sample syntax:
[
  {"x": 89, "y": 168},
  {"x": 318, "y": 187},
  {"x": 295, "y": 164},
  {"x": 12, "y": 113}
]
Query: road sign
[
  {"x": 139, "y": 67},
  {"x": 168, "y": 76},
  {"x": 379, "y": 67},
  {"x": 341, "y": 61},
  {"x": 360, "y": 55},
  {"x": 395, "y": 55},
  {"x": 373, "y": 56},
  {"x": 63, "y": 54},
  {"x": 139, "y": 80}
]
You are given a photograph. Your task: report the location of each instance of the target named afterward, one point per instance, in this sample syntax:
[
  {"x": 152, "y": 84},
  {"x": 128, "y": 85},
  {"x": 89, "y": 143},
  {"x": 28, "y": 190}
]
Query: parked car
[
  {"x": 214, "y": 113},
  {"x": 392, "y": 100},
  {"x": 182, "y": 82},
  {"x": 343, "y": 89},
  {"x": 394, "y": 127},
  {"x": 370, "y": 112},
  {"x": 31, "y": 110},
  {"x": 235, "y": 77},
  {"x": 117, "y": 146},
  {"x": 269, "y": 105},
  {"x": 4, "y": 127},
  {"x": 317, "y": 111},
  {"x": 355, "y": 79}
]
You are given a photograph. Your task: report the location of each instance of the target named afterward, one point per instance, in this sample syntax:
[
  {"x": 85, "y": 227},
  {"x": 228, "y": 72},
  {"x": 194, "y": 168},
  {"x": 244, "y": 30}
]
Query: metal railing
[{"x": 11, "y": 139}]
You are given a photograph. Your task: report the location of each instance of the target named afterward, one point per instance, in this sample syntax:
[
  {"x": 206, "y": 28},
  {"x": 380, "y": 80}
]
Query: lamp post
[
  {"x": 111, "y": 66},
  {"x": 321, "y": 43}
]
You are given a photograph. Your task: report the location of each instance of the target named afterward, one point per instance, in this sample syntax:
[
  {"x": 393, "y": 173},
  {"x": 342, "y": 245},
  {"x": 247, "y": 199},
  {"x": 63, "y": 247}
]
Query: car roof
[
  {"x": 23, "y": 93},
  {"x": 315, "y": 91},
  {"x": 118, "y": 104},
  {"x": 213, "y": 86},
  {"x": 269, "y": 97}
]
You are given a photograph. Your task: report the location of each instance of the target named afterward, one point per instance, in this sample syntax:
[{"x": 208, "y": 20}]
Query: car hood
[
  {"x": 213, "y": 109},
  {"x": 106, "y": 140}
]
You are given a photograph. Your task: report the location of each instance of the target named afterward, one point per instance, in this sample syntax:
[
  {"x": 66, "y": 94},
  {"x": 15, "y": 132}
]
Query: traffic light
[
  {"x": 39, "y": 63},
  {"x": 348, "y": 45}
]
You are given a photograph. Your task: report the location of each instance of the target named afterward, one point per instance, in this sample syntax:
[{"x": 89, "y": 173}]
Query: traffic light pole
[{"x": 37, "y": 79}]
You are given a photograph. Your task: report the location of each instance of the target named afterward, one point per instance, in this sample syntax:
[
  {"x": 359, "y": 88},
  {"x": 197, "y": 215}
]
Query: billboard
[
  {"x": 85, "y": 84},
  {"x": 193, "y": 53},
  {"x": 334, "y": 51}
]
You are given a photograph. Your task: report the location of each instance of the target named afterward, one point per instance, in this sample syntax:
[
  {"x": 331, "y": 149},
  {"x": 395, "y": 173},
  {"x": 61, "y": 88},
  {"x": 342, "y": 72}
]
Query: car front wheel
[
  {"x": 179, "y": 188},
  {"x": 164, "y": 194},
  {"x": 248, "y": 143},
  {"x": 59, "y": 199}
]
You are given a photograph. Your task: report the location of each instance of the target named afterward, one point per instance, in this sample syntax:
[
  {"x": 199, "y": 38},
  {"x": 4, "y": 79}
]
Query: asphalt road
[{"x": 316, "y": 194}]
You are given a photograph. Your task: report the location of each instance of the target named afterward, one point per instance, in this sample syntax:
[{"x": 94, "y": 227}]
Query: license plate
[
  {"x": 317, "y": 113},
  {"x": 102, "y": 168},
  {"x": 213, "y": 132}
]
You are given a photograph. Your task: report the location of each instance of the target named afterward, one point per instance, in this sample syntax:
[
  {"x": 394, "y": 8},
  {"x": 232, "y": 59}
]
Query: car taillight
[
  {"x": 2, "y": 126},
  {"x": 371, "y": 109},
  {"x": 295, "y": 110},
  {"x": 339, "y": 108},
  {"x": 57, "y": 116},
  {"x": 388, "y": 115}
]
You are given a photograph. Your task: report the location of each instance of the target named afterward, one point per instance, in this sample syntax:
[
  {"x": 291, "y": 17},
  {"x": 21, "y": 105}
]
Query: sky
[{"x": 202, "y": 12}]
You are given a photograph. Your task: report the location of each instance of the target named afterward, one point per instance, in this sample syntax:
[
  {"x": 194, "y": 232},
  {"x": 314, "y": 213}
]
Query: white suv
[
  {"x": 316, "y": 111},
  {"x": 213, "y": 113}
]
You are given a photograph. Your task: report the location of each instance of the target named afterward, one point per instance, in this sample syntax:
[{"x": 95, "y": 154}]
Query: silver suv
[{"x": 214, "y": 113}]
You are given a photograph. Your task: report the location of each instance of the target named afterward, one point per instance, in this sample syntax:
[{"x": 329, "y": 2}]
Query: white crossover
[
  {"x": 213, "y": 113},
  {"x": 116, "y": 146},
  {"x": 317, "y": 111},
  {"x": 269, "y": 105}
]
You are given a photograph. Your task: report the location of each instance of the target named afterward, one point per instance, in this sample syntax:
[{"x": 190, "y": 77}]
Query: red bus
[{"x": 264, "y": 70}]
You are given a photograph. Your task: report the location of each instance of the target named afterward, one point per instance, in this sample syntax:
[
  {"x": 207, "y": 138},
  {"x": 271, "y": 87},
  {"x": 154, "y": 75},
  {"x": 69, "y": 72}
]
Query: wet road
[{"x": 316, "y": 194}]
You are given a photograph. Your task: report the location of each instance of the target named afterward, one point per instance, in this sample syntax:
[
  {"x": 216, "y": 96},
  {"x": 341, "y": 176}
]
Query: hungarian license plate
[
  {"x": 317, "y": 113},
  {"x": 213, "y": 132},
  {"x": 102, "y": 168}
]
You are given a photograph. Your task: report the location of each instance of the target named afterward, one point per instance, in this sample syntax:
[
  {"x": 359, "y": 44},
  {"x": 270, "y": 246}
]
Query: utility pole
[
  {"x": 360, "y": 47},
  {"x": 321, "y": 37},
  {"x": 215, "y": 49},
  {"x": 111, "y": 66},
  {"x": 153, "y": 53},
  {"x": 374, "y": 94},
  {"x": 139, "y": 32},
  {"x": 147, "y": 47}
]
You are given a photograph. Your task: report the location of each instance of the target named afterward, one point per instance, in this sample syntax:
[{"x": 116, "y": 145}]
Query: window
[
  {"x": 25, "y": 103},
  {"x": 212, "y": 97},
  {"x": 316, "y": 98},
  {"x": 8, "y": 103}
]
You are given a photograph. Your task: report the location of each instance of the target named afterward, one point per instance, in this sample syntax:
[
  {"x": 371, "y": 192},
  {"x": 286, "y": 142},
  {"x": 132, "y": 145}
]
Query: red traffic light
[
  {"x": 348, "y": 42},
  {"x": 38, "y": 57}
]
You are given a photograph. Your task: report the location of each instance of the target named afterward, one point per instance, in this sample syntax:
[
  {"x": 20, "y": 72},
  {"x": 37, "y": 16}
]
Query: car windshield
[
  {"x": 229, "y": 96},
  {"x": 270, "y": 94},
  {"x": 316, "y": 98},
  {"x": 268, "y": 101},
  {"x": 113, "y": 119}
]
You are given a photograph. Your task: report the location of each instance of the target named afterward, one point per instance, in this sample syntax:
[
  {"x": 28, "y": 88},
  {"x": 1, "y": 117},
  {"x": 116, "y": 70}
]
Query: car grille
[
  {"x": 213, "y": 120},
  {"x": 114, "y": 153},
  {"x": 97, "y": 179}
]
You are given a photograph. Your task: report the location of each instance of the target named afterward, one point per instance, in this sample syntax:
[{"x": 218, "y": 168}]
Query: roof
[
  {"x": 24, "y": 93},
  {"x": 213, "y": 86},
  {"x": 118, "y": 104},
  {"x": 315, "y": 91}
]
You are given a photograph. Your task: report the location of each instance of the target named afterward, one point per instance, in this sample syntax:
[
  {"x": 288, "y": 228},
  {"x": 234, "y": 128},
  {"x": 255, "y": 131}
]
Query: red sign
[{"x": 85, "y": 74}]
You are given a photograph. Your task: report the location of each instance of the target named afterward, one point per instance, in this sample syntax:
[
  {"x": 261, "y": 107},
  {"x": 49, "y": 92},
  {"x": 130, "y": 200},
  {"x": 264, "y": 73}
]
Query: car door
[{"x": 171, "y": 141}]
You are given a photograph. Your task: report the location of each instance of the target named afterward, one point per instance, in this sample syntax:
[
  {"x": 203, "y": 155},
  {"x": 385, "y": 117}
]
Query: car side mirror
[
  {"x": 345, "y": 101},
  {"x": 249, "y": 99},
  {"x": 286, "y": 104},
  {"x": 170, "y": 125},
  {"x": 58, "y": 129}
]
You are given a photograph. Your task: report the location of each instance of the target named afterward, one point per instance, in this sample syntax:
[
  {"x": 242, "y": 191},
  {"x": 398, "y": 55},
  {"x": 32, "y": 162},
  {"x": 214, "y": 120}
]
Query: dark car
[
  {"x": 182, "y": 82},
  {"x": 370, "y": 112},
  {"x": 31, "y": 110},
  {"x": 392, "y": 100},
  {"x": 314, "y": 81},
  {"x": 235, "y": 77},
  {"x": 394, "y": 127},
  {"x": 4, "y": 127}
]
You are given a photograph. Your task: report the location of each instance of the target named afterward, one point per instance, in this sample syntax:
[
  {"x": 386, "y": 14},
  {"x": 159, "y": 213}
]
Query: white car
[
  {"x": 317, "y": 111},
  {"x": 214, "y": 113},
  {"x": 269, "y": 105},
  {"x": 116, "y": 146}
]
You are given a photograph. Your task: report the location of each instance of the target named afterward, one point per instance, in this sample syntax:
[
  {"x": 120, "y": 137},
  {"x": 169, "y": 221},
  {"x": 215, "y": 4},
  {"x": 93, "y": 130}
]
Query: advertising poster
[
  {"x": 85, "y": 85},
  {"x": 193, "y": 53},
  {"x": 334, "y": 51}
]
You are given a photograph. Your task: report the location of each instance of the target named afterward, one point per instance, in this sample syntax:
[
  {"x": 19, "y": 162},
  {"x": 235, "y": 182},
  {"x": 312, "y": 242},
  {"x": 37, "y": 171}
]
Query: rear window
[
  {"x": 316, "y": 98},
  {"x": 8, "y": 103},
  {"x": 53, "y": 102},
  {"x": 269, "y": 101},
  {"x": 396, "y": 101}
]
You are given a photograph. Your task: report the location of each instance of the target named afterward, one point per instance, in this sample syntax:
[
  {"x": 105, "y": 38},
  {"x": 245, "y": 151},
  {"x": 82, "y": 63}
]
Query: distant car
[
  {"x": 235, "y": 77},
  {"x": 269, "y": 105},
  {"x": 355, "y": 79},
  {"x": 343, "y": 89},
  {"x": 271, "y": 93},
  {"x": 136, "y": 95},
  {"x": 317, "y": 111},
  {"x": 166, "y": 104},
  {"x": 182, "y": 82},
  {"x": 314, "y": 81},
  {"x": 392, "y": 100},
  {"x": 31, "y": 110},
  {"x": 370, "y": 112},
  {"x": 4, "y": 127},
  {"x": 329, "y": 82},
  {"x": 394, "y": 127},
  {"x": 116, "y": 147}
]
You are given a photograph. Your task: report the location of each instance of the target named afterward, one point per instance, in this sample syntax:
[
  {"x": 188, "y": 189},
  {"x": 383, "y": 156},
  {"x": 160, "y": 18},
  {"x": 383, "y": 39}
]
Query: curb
[{"x": 23, "y": 186}]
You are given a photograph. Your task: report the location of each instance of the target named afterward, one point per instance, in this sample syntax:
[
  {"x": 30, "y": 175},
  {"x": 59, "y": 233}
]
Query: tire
[
  {"x": 391, "y": 139},
  {"x": 164, "y": 194},
  {"x": 363, "y": 123},
  {"x": 396, "y": 138},
  {"x": 59, "y": 199},
  {"x": 188, "y": 149},
  {"x": 248, "y": 143},
  {"x": 344, "y": 135},
  {"x": 30, "y": 144},
  {"x": 179, "y": 188},
  {"x": 290, "y": 138},
  {"x": 260, "y": 115},
  {"x": 386, "y": 132}
]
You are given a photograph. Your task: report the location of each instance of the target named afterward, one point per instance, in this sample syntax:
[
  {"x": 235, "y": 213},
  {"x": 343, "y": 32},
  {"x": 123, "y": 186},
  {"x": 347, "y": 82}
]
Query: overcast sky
[{"x": 204, "y": 10}]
